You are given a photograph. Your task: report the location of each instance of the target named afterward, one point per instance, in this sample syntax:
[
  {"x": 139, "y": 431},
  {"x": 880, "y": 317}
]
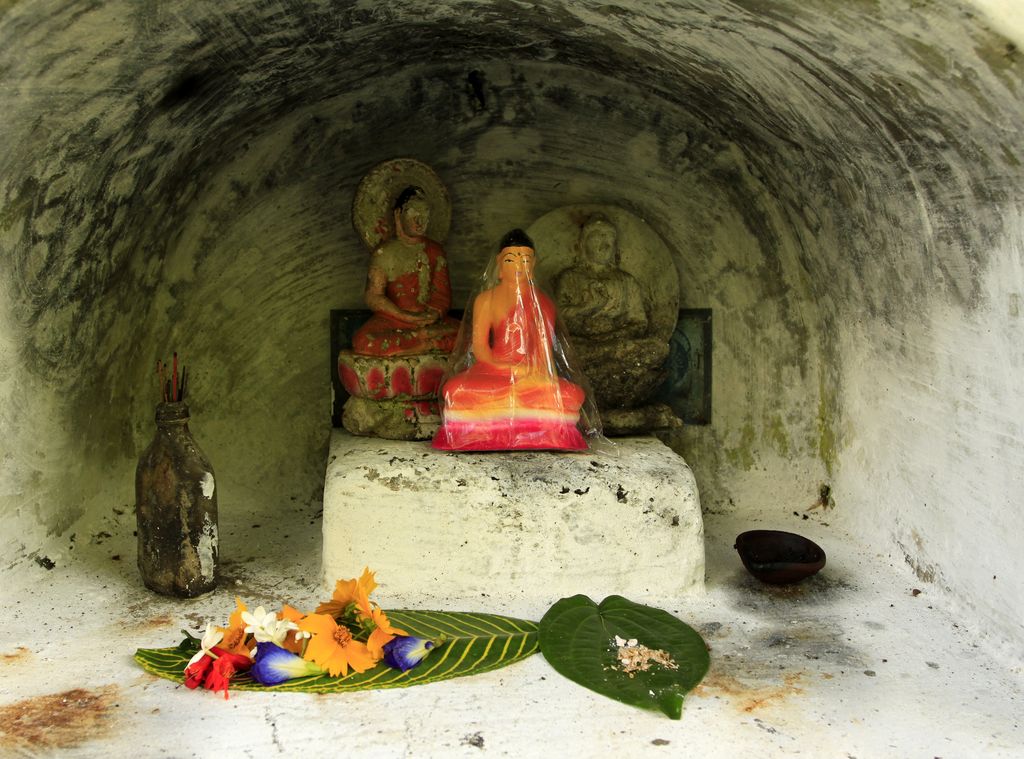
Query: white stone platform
[{"x": 527, "y": 527}]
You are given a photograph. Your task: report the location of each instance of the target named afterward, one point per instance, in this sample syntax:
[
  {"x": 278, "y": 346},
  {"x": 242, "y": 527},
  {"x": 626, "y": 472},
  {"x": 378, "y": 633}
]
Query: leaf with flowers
[{"x": 348, "y": 644}]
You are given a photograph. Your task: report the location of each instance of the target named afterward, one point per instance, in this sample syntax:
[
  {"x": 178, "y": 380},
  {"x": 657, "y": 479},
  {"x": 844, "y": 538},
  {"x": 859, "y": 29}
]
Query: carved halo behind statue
[{"x": 402, "y": 212}]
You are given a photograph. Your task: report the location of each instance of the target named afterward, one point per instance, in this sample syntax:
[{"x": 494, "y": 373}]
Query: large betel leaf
[
  {"x": 474, "y": 643},
  {"x": 577, "y": 637}
]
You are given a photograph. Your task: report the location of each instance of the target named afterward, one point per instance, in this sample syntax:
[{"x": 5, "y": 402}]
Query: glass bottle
[{"x": 176, "y": 509}]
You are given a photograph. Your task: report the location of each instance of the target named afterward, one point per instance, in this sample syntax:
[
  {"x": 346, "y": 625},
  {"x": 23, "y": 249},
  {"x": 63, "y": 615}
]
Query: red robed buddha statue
[
  {"x": 511, "y": 397},
  {"x": 408, "y": 288}
]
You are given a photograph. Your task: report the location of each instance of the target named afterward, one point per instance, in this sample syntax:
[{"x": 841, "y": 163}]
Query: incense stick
[
  {"x": 174, "y": 379},
  {"x": 173, "y": 387}
]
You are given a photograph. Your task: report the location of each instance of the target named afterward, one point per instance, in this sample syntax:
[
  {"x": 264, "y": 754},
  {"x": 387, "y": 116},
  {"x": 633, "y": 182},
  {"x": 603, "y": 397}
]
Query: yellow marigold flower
[
  {"x": 383, "y": 633},
  {"x": 333, "y": 648},
  {"x": 349, "y": 591}
]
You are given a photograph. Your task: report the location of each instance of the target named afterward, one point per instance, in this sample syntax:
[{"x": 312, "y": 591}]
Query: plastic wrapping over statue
[{"x": 511, "y": 382}]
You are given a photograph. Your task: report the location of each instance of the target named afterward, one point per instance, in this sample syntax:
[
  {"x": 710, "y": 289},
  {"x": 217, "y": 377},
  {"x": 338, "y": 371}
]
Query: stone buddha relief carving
[{"x": 617, "y": 291}]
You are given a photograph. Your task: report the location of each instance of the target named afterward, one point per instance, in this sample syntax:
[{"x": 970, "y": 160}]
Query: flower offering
[{"x": 347, "y": 633}]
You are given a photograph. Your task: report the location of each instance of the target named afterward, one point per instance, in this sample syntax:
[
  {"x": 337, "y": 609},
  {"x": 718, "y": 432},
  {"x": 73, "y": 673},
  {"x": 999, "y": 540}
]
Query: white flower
[
  {"x": 210, "y": 639},
  {"x": 265, "y": 627}
]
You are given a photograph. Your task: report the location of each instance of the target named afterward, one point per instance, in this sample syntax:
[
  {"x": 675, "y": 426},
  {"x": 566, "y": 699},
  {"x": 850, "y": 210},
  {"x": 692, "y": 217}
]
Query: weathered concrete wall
[{"x": 841, "y": 184}]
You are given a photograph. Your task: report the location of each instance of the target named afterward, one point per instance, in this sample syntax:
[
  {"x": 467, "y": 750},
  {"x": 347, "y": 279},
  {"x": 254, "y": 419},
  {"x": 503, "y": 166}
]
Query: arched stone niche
[{"x": 843, "y": 179}]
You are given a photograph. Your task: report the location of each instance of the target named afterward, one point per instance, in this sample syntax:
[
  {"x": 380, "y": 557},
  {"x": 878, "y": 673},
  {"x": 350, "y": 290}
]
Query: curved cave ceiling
[{"x": 835, "y": 181}]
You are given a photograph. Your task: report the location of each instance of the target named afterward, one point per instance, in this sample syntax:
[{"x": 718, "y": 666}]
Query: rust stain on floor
[
  {"x": 749, "y": 698},
  {"x": 153, "y": 623},
  {"x": 19, "y": 654},
  {"x": 58, "y": 720}
]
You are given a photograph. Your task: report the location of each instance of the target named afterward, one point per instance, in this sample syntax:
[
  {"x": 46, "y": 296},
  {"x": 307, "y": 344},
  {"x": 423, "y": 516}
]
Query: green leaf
[
  {"x": 474, "y": 643},
  {"x": 189, "y": 644},
  {"x": 577, "y": 637}
]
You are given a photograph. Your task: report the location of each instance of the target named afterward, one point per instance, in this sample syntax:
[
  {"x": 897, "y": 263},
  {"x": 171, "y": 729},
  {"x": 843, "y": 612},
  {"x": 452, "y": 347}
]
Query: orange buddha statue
[
  {"x": 511, "y": 397},
  {"x": 407, "y": 288}
]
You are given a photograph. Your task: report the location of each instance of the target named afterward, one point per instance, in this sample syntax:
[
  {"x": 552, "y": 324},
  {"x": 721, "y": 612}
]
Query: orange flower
[
  {"x": 292, "y": 642},
  {"x": 383, "y": 633},
  {"x": 333, "y": 647},
  {"x": 234, "y": 634},
  {"x": 291, "y": 614},
  {"x": 349, "y": 591}
]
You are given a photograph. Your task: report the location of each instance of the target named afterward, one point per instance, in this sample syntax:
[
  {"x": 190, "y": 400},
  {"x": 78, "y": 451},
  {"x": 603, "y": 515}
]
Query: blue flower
[
  {"x": 406, "y": 651},
  {"x": 275, "y": 665}
]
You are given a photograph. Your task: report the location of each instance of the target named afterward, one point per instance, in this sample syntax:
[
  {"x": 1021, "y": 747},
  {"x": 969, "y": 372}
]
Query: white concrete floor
[{"x": 849, "y": 664}]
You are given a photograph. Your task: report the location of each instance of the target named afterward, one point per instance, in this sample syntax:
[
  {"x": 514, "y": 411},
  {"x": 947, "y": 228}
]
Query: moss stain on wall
[
  {"x": 741, "y": 455},
  {"x": 825, "y": 444},
  {"x": 775, "y": 434}
]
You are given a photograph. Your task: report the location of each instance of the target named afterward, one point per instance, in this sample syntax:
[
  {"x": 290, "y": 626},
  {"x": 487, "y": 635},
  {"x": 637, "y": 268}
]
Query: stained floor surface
[{"x": 850, "y": 663}]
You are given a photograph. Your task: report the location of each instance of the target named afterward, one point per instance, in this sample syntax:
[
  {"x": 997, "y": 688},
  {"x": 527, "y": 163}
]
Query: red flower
[
  {"x": 196, "y": 673},
  {"x": 215, "y": 674},
  {"x": 222, "y": 670}
]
